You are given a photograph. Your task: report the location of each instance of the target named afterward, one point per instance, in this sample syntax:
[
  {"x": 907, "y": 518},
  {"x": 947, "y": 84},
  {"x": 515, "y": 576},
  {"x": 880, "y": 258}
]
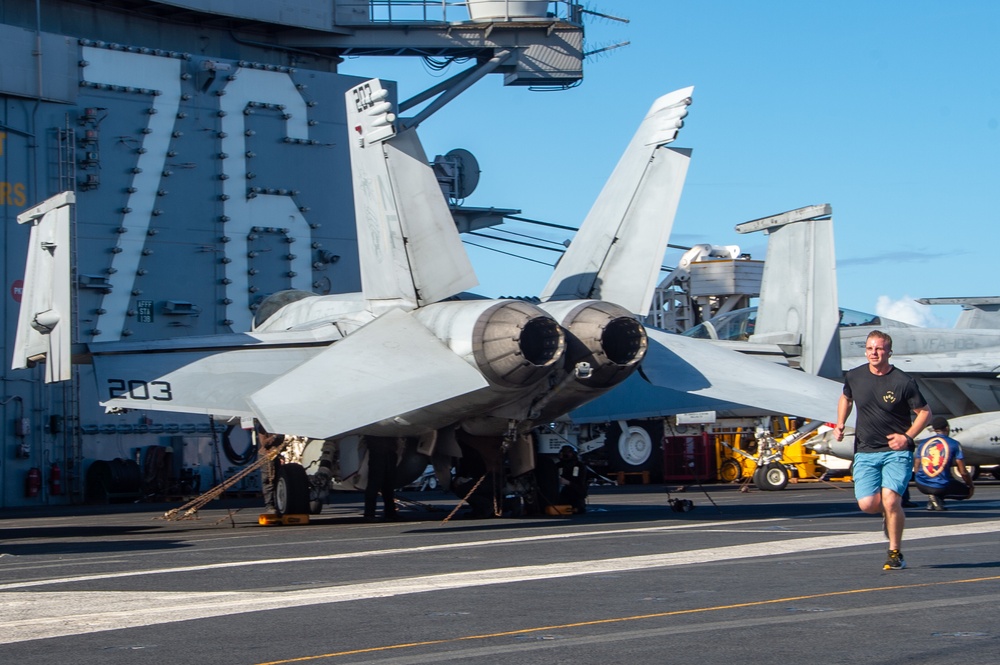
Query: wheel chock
[{"x": 271, "y": 519}]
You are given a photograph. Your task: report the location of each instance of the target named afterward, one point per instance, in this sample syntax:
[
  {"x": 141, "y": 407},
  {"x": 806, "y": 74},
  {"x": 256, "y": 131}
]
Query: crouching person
[{"x": 932, "y": 467}]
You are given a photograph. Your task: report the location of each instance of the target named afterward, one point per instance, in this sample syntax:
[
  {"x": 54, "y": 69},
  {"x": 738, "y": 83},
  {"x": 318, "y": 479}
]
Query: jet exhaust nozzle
[
  {"x": 605, "y": 335},
  {"x": 513, "y": 343},
  {"x": 516, "y": 344}
]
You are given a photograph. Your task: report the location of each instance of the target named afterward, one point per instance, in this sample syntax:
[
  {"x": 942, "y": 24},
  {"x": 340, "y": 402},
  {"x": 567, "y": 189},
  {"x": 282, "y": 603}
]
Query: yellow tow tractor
[{"x": 770, "y": 457}]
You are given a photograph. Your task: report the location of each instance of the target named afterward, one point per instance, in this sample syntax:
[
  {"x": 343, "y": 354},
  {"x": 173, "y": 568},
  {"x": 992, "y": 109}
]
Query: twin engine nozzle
[
  {"x": 516, "y": 344},
  {"x": 605, "y": 336}
]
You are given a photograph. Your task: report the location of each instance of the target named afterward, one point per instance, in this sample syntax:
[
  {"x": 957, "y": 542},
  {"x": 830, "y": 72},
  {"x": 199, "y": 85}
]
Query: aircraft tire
[
  {"x": 637, "y": 448},
  {"x": 411, "y": 464},
  {"x": 730, "y": 471},
  {"x": 291, "y": 490},
  {"x": 771, "y": 478}
]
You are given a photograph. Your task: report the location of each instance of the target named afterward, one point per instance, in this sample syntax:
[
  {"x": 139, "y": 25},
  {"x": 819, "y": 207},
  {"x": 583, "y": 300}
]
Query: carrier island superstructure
[{"x": 203, "y": 141}]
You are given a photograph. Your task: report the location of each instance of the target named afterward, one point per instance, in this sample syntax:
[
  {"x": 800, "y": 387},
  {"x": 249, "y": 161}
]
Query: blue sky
[{"x": 888, "y": 110}]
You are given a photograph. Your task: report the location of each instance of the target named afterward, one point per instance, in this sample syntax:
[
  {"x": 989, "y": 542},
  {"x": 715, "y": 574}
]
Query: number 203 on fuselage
[{"x": 139, "y": 390}]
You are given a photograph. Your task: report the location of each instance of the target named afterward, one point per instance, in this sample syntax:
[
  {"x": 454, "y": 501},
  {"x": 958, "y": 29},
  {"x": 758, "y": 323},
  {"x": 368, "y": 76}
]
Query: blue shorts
[{"x": 873, "y": 471}]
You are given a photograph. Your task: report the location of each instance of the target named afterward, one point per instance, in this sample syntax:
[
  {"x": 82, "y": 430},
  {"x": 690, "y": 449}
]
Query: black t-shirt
[{"x": 884, "y": 404}]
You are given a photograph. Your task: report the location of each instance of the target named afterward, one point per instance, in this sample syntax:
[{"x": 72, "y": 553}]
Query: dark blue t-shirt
[{"x": 935, "y": 457}]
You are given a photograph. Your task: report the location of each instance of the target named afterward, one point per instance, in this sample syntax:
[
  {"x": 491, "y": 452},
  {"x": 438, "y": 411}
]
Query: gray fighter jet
[{"x": 413, "y": 356}]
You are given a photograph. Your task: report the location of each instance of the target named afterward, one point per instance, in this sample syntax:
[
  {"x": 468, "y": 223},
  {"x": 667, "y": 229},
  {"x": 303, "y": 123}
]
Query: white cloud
[{"x": 909, "y": 311}]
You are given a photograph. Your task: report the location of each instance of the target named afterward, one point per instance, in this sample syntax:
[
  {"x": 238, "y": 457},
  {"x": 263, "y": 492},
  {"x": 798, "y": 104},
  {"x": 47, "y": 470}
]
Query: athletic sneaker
[
  {"x": 934, "y": 503},
  {"x": 895, "y": 561}
]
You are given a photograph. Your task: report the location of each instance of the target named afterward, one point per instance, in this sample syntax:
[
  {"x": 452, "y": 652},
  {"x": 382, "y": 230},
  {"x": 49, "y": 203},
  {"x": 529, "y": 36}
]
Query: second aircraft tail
[{"x": 798, "y": 294}]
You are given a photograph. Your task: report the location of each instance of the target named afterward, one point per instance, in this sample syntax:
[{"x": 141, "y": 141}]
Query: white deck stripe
[
  {"x": 40, "y": 615},
  {"x": 367, "y": 553}
]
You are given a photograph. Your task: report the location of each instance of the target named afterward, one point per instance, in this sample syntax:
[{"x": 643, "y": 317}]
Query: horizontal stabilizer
[
  {"x": 701, "y": 368},
  {"x": 45, "y": 321},
  {"x": 617, "y": 254},
  {"x": 210, "y": 375},
  {"x": 391, "y": 366}
]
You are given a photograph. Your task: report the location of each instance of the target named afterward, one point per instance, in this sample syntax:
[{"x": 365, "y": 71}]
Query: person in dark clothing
[
  {"x": 572, "y": 480},
  {"x": 383, "y": 458},
  {"x": 478, "y": 478},
  {"x": 891, "y": 411}
]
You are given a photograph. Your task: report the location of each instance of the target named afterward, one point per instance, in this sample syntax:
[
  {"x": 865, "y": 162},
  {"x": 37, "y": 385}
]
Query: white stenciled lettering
[
  {"x": 154, "y": 74},
  {"x": 245, "y": 209},
  {"x": 140, "y": 390}
]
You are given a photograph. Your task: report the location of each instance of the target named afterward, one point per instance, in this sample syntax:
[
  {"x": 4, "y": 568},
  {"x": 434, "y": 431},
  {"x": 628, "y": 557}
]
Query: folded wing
[{"x": 44, "y": 325}]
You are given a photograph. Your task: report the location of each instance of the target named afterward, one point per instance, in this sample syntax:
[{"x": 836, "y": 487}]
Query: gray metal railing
[{"x": 458, "y": 11}]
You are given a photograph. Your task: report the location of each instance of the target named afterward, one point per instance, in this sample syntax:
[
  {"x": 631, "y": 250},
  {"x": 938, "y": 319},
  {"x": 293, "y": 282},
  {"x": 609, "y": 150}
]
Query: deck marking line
[
  {"x": 271, "y": 561},
  {"x": 46, "y": 614},
  {"x": 507, "y": 648}
]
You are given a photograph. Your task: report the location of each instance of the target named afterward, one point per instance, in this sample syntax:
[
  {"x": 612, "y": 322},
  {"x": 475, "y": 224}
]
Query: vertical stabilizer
[
  {"x": 617, "y": 254},
  {"x": 409, "y": 249},
  {"x": 798, "y": 294},
  {"x": 45, "y": 322},
  {"x": 976, "y": 312}
]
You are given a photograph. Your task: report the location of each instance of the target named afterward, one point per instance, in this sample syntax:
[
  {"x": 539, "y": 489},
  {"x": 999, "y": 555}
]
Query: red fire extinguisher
[
  {"x": 33, "y": 484},
  {"x": 55, "y": 479}
]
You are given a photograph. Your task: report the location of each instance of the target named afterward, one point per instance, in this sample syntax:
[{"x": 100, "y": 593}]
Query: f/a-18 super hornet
[{"x": 413, "y": 356}]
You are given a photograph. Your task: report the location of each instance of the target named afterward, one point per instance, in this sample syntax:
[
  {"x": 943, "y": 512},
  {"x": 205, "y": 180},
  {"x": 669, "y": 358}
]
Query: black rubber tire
[
  {"x": 411, "y": 464},
  {"x": 291, "y": 490},
  {"x": 639, "y": 448},
  {"x": 730, "y": 471},
  {"x": 772, "y": 477},
  {"x": 113, "y": 479}
]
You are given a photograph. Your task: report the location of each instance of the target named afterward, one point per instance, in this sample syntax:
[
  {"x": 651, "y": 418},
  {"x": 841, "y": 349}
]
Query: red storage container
[{"x": 689, "y": 458}]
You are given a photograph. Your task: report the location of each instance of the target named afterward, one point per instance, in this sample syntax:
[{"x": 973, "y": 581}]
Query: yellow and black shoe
[{"x": 895, "y": 561}]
